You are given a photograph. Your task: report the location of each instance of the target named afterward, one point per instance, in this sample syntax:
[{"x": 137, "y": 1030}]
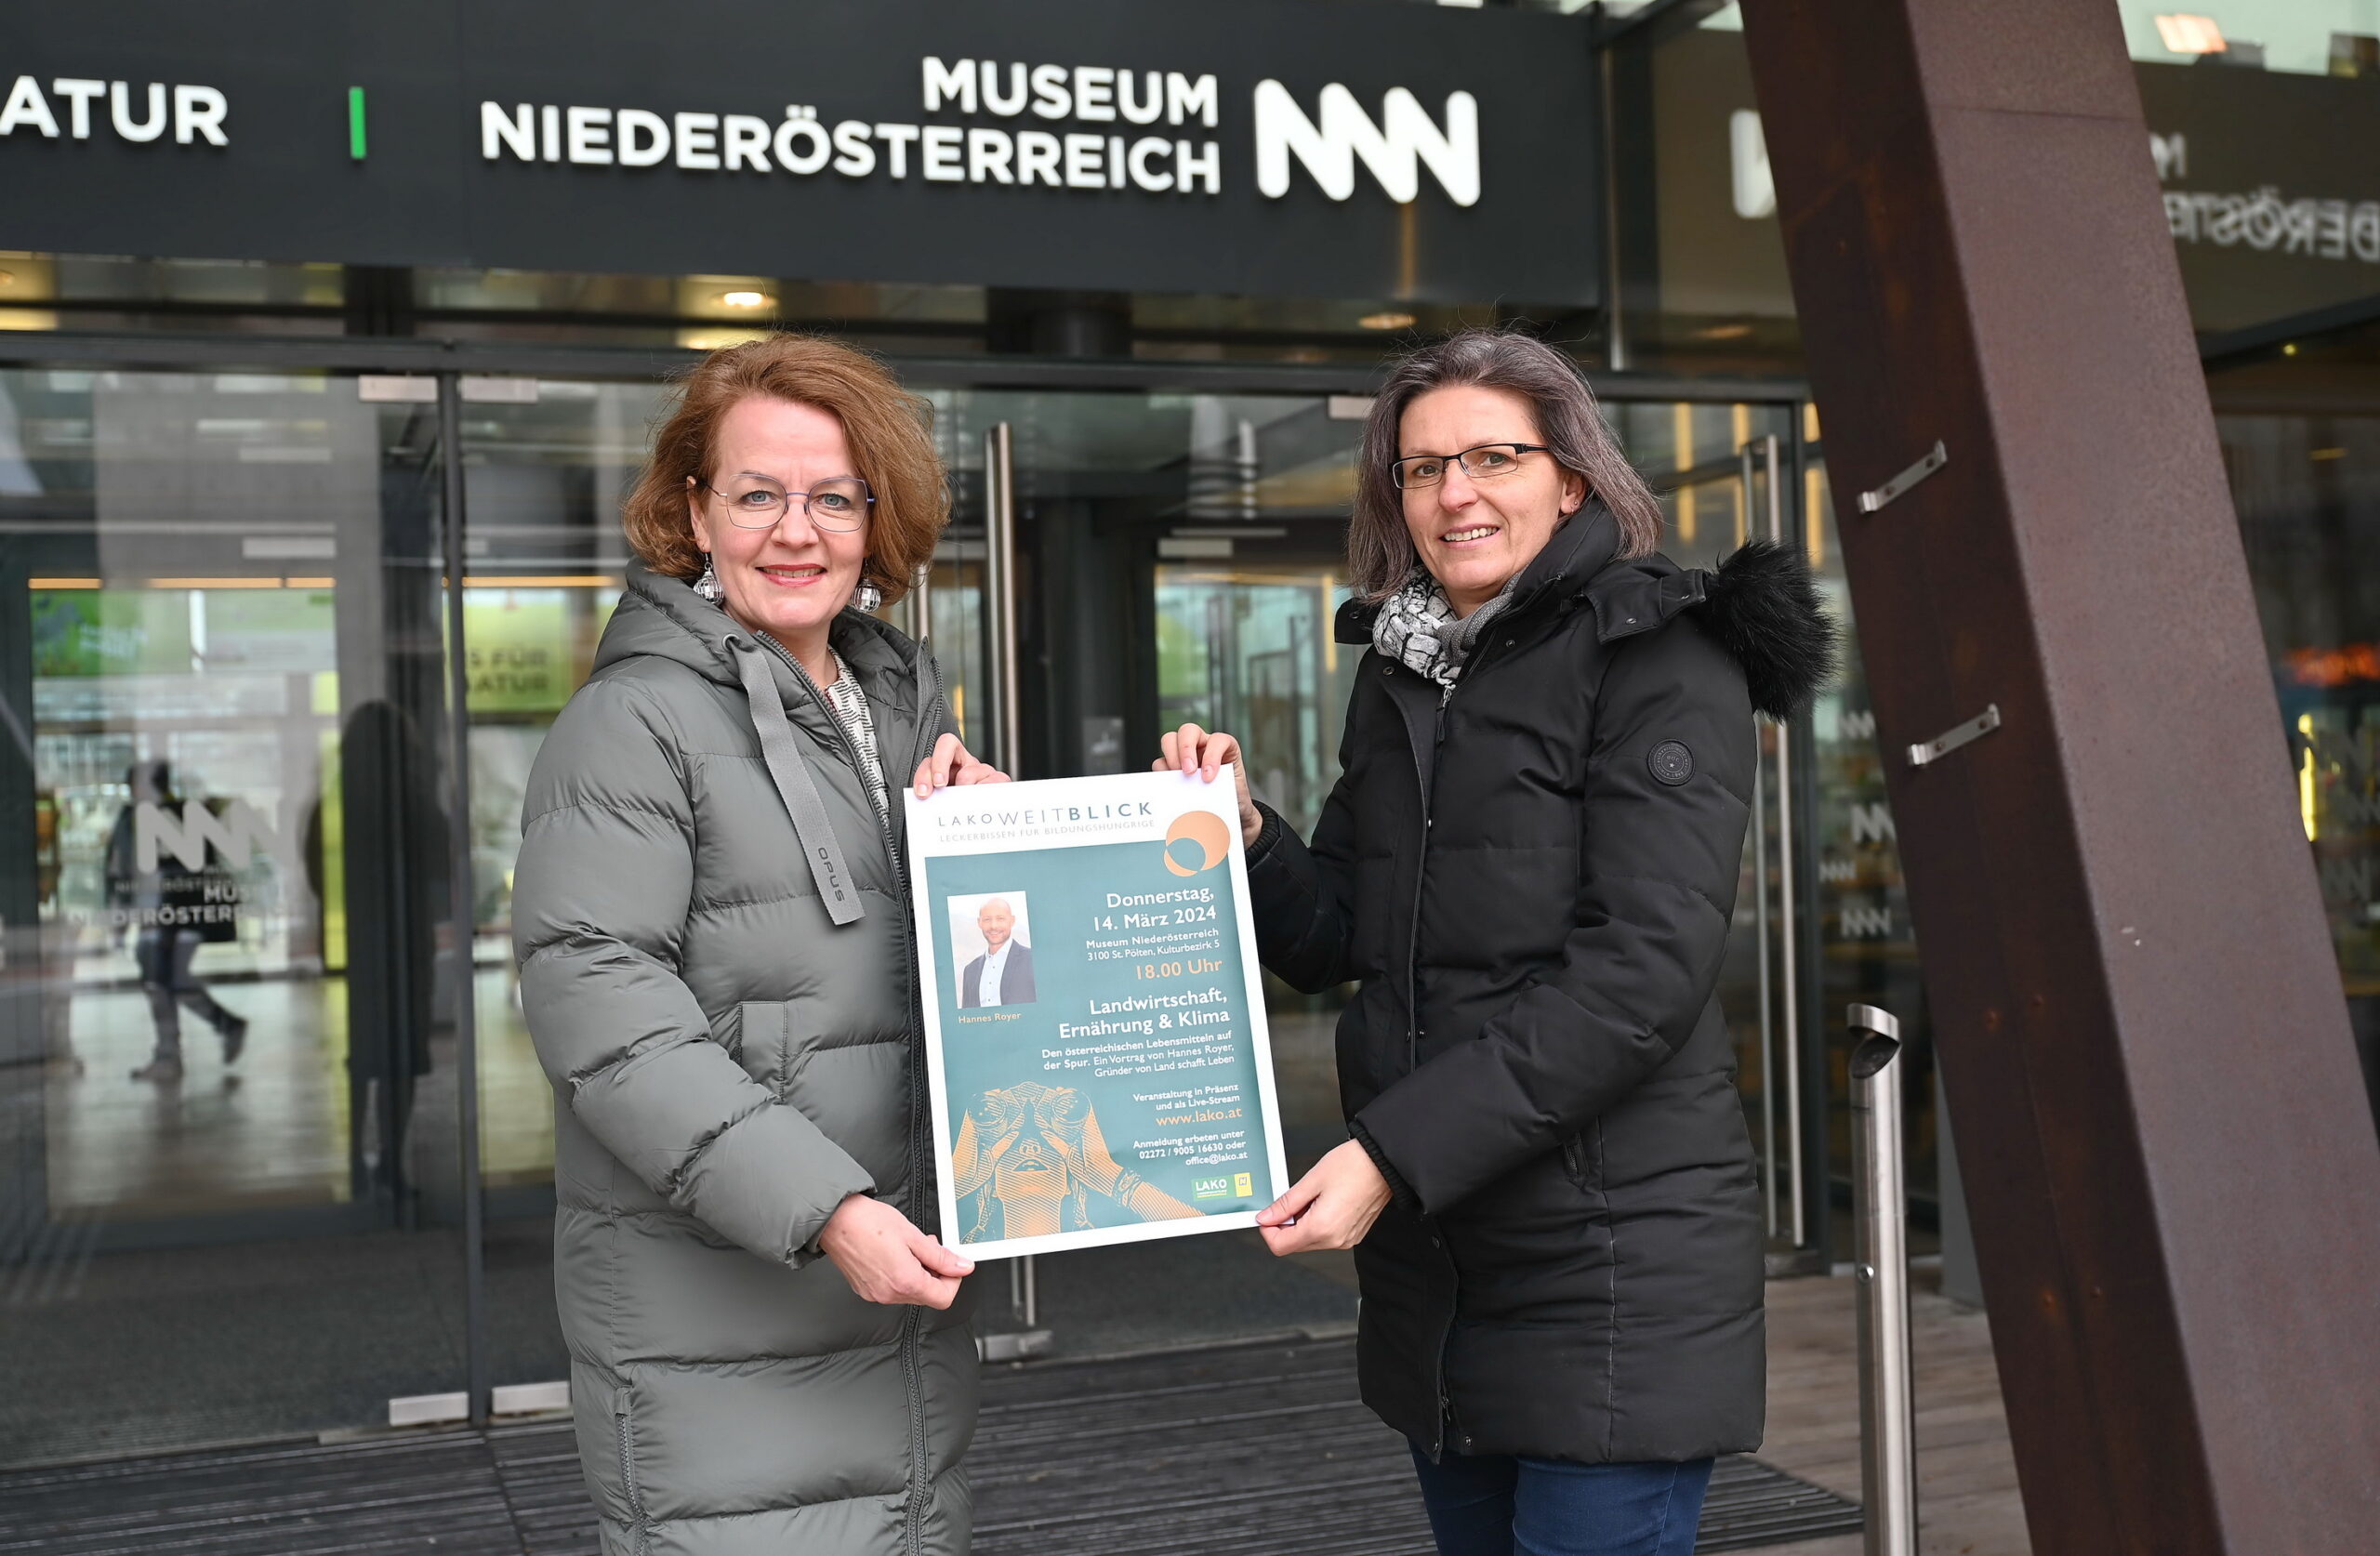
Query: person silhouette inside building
[{"x": 173, "y": 910}]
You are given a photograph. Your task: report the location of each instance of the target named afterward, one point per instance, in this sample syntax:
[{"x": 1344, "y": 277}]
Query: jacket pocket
[
  {"x": 1581, "y": 1160},
  {"x": 759, "y": 1037}
]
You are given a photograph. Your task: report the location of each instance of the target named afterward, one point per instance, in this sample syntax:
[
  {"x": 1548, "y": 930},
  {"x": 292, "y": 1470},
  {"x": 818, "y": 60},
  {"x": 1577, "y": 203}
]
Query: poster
[{"x": 1095, "y": 1039}]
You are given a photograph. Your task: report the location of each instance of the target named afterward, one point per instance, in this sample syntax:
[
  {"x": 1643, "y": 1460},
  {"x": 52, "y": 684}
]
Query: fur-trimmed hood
[{"x": 1761, "y": 604}]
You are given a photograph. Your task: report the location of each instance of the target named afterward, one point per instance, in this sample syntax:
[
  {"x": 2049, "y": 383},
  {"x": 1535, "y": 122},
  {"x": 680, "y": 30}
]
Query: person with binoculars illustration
[{"x": 1031, "y": 1155}]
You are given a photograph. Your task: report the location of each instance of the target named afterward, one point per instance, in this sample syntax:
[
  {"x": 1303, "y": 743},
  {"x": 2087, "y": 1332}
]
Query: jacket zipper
[
  {"x": 914, "y": 1524},
  {"x": 628, "y": 1465},
  {"x": 1413, "y": 921},
  {"x": 912, "y": 1320},
  {"x": 1413, "y": 1026},
  {"x": 1413, "y": 1060}
]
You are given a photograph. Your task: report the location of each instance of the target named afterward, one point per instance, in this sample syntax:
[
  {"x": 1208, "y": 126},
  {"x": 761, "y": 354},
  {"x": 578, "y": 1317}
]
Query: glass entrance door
[
  {"x": 228, "y": 1098},
  {"x": 223, "y": 622}
]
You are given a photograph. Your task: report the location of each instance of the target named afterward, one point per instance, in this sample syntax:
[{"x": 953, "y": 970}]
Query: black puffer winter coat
[{"x": 1533, "y": 883}]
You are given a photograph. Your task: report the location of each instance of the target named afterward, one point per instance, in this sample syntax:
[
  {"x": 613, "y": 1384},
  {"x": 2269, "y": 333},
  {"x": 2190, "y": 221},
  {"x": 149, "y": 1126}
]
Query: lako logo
[{"x": 1099, "y": 127}]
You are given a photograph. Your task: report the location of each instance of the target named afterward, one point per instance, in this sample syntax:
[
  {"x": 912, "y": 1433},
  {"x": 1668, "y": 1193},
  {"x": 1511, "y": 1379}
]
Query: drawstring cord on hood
[{"x": 795, "y": 785}]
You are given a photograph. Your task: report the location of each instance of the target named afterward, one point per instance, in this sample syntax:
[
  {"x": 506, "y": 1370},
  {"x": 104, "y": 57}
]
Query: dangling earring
[
  {"x": 708, "y": 585},
  {"x": 867, "y": 598}
]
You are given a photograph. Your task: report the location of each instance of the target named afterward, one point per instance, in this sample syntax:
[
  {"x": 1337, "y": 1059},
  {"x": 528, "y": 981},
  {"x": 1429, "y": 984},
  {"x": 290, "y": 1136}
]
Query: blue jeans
[{"x": 1495, "y": 1505}]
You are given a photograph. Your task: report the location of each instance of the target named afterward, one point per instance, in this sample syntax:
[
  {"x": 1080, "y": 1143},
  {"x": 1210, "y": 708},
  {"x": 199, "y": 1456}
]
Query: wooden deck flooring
[{"x": 1966, "y": 1481}]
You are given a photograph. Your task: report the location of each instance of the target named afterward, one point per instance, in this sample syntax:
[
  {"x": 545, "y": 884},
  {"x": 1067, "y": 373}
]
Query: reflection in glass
[
  {"x": 1691, "y": 455},
  {"x": 543, "y": 479},
  {"x": 2311, "y": 37},
  {"x": 2307, "y": 489},
  {"x": 179, "y": 840},
  {"x": 1867, "y": 940},
  {"x": 221, "y": 861},
  {"x": 1248, "y": 649}
]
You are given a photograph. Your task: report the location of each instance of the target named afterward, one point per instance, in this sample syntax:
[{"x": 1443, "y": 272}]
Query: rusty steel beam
[{"x": 2171, "y": 1168}]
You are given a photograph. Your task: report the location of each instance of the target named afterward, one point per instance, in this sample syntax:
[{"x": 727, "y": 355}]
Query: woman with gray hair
[{"x": 1530, "y": 865}]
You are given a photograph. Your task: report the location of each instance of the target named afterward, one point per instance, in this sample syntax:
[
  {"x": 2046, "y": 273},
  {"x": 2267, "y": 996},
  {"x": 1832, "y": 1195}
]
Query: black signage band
[{"x": 1330, "y": 148}]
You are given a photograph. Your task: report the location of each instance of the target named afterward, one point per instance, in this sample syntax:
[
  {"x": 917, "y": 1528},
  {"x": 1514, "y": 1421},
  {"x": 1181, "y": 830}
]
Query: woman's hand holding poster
[{"x": 1095, "y": 1036}]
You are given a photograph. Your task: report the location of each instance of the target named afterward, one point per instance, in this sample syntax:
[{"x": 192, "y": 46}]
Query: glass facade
[
  {"x": 230, "y": 1108},
  {"x": 2303, "y": 481}
]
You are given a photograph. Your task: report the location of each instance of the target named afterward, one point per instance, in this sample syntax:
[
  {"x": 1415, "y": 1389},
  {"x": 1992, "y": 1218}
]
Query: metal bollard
[
  {"x": 1887, "y": 1412},
  {"x": 1024, "y": 1301},
  {"x": 1025, "y": 1291}
]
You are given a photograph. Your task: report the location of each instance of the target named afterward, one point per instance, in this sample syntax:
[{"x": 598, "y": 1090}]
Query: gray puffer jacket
[{"x": 717, "y": 968}]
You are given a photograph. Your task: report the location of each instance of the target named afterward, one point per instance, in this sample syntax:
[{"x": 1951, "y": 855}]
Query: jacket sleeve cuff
[
  {"x": 1267, "y": 836},
  {"x": 808, "y": 1249},
  {"x": 1398, "y": 1189}
]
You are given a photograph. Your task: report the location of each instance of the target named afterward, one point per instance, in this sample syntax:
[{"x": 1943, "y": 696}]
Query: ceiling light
[
  {"x": 2190, "y": 35},
  {"x": 1722, "y": 332},
  {"x": 720, "y": 337},
  {"x": 745, "y": 299},
  {"x": 2289, "y": 349},
  {"x": 1386, "y": 321}
]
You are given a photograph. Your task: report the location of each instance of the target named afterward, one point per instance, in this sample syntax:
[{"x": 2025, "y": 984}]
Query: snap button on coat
[{"x": 1671, "y": 762}]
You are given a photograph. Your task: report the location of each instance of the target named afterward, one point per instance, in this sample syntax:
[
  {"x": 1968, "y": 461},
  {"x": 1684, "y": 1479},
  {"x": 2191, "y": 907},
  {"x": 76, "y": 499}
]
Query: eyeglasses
[
  {"x": 1485, "y": 463},
  {"x": 839, "y": 505}
]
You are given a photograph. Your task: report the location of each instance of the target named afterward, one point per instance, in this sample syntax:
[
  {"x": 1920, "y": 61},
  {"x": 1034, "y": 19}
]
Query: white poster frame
[{"x": 1176, "y": 794}]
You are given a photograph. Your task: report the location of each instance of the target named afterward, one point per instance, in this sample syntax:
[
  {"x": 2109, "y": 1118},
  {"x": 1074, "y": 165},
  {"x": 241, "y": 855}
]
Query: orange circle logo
[{"x": 1199, "y": 835}]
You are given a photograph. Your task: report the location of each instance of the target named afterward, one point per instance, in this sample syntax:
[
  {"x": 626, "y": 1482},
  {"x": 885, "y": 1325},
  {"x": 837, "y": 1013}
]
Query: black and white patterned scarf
[
  {"x": 1417, "y": 628},
  {"x": 859, "y": 727}
]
